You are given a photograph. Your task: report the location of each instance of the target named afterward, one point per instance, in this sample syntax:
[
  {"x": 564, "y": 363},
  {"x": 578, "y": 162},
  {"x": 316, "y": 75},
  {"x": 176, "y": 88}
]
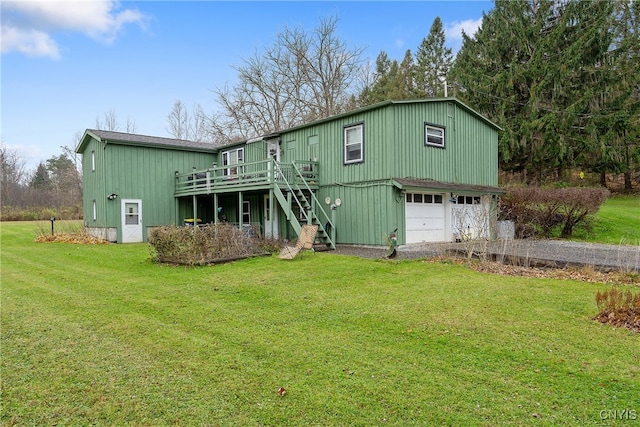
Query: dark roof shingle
[{"x": 135, "y": 139}]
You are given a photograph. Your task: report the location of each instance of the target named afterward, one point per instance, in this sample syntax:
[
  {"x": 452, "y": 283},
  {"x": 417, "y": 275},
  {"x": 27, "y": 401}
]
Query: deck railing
[{"x": 242, "y": 176}]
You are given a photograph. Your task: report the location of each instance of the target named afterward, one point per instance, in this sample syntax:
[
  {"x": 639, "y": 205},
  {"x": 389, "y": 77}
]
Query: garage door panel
[{"x": 425, "y": 222}]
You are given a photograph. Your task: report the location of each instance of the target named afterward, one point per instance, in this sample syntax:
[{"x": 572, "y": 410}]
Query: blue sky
[{"x": 65, "y": 63}]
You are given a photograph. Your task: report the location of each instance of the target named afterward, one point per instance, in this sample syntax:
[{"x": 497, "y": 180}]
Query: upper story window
[
  {"x": 353, "y": 140},
  {"x": 433, "y": 135},
  {"x": 231, "y": 159},
  {"x": 93, "y": 161}
]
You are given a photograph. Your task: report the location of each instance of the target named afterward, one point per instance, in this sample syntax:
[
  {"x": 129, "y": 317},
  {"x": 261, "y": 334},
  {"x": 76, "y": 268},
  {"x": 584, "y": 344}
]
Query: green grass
[
  {"x": 101, "y": 335},
  {"x": 617, "y": 222}
]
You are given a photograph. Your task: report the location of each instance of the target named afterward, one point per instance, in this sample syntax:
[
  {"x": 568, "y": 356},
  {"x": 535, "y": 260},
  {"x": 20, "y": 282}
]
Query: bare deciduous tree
[
  {"x": 12, "y": 174},
  {"x": 182, "y": 125},
  {"x": 302, "y": 77},
  {"x": 111, "y": 123}
]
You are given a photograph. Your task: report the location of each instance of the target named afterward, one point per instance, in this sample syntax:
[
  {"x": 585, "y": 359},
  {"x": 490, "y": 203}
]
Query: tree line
[{"x": 560, "y": 77}]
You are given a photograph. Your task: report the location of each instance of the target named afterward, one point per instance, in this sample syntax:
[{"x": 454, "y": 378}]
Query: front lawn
[
  {"x": 98, "y": 334},
  {"x": 617, "y": 222}
]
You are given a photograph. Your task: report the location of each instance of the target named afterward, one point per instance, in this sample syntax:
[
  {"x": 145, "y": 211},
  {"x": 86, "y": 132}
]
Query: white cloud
[
  {"x": 453, "y": 30},
  {"x": 29, "y": 25},
  {"x": 28, "y": 42}
]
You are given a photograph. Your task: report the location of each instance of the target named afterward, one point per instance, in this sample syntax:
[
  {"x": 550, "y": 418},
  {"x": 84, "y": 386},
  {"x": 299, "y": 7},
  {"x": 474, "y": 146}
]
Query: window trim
[
  {"x": 428, "y": 126},
  {"x": 94, "y": 210},
  {"x": 229, "y": 166},
  {"x": 246, "y": 211},
  {"x": 93, "y": 161},
  {"x": 344, "y": 143}
]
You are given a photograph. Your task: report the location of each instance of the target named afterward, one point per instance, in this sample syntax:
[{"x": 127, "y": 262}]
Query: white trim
[
  {"x": 246, "y": 204},
  {"x": 131, "y": 222},
  {"x": 432, "y": 134},
  {"x": 230, "y": 162},
  {"x": 359, "y": 142}
]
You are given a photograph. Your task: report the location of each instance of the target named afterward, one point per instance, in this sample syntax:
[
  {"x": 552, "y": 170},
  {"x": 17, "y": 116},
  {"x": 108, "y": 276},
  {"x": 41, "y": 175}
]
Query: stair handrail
[
  {"x": 280, "y": 176},
  {"x": 315, "y": 199}
]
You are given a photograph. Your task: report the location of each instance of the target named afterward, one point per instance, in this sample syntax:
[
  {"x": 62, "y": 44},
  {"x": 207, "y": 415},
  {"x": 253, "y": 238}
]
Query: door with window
[
  {"x": 131, "y": 221},
  {"x": 270, "y": 218}
]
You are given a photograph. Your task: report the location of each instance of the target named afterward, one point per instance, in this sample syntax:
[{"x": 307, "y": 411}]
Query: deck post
[
  {"x": 195, "y": 211},
  {"x": 215, "y": 208},
  {"x": 271, "y": 207},
  {"x": 240, "y": 210}
]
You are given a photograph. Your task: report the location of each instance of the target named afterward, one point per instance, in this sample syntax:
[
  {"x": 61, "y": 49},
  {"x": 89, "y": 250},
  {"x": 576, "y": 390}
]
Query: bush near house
[
  {"x": 542, "y": 211},
  {"x": 207, "y": 244}
]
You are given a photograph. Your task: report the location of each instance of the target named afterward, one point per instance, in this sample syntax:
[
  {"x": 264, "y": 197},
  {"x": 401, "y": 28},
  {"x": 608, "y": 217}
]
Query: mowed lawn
[
  {"x": 100, "y": 335},
  {"x": 616, "y": 222}
]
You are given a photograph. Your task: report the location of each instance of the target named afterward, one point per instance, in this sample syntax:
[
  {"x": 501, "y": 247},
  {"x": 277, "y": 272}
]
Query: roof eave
[{"x": 412, "y": 184}]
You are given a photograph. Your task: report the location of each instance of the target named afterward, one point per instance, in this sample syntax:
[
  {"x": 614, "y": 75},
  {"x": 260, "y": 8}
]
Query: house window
[
  {"x": 231, "y": 159},
  {"x": 246, "y": 213},
  {"x": 95, "y": 211},
  {"x": 433, "y": 135},
  {"x": 353, "y": 138},
  {"x": 93, "y": 161}
]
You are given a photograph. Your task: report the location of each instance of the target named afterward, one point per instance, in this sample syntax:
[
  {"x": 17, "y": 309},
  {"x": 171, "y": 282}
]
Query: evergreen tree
[
  {"x": 549, "y": 73},
  {"x": 433, "y": 62},
  {"x": 41, "y": 179},
  {"x": 388, "y": 82},
  {"x": 66, "y": 182},
  {"x": 406, "y": 77},
  {"x": 492, "y": 72}
]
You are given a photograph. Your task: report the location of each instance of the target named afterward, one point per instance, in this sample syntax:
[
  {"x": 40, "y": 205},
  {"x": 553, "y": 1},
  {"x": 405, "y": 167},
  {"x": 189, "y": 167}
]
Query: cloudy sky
[{"x": 67, "y": 63}]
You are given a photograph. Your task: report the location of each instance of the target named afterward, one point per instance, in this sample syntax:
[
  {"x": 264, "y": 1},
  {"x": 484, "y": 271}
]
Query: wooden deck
[{"x": 261, "y": 175}]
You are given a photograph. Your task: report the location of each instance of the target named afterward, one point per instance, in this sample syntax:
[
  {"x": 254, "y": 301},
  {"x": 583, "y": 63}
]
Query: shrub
[
  {"x": 619, "y": 308},
  {"x": 544, "y": 210},
  {"x": 205, "y": 244}
]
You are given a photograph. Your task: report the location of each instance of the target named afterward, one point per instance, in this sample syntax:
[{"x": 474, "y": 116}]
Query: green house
[{"x": 428, "y": 168}]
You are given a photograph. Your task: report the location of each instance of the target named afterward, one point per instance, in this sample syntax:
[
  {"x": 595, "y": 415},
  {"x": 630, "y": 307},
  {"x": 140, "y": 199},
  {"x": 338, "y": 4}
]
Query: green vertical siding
[
  {"x": 394, "y": 145},
  {"x": 149, "y": 174},
  {"x": 135, "y": 172},
  {"x": 93, "y": 186},
  {"x": 368, "y": 212}
]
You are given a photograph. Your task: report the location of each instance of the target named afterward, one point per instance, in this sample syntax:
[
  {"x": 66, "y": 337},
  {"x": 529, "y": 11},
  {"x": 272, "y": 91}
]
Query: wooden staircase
[{"x": 300, "y": 204}]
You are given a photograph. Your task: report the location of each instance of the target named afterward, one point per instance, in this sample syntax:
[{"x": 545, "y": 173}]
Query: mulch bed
[{"x": 75, "y": 238}]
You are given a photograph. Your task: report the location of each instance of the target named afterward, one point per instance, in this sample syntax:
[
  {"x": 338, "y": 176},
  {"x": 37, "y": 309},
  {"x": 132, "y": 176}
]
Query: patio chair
[{"x": 305, "y": 241}]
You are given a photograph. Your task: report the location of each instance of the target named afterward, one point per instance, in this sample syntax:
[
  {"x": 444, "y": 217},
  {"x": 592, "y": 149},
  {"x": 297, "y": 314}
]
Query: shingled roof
[
  {"x": 428, "y": 184},
  {"x": 143, "y": 140}
]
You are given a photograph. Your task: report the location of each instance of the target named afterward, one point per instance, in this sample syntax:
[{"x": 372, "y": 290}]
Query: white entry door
[
  {"x": 131, "y": 221},
  {"x": 270, "y": 219}
]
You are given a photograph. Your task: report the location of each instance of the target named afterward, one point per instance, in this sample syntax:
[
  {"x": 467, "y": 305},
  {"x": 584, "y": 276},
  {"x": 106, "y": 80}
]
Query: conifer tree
[{"x": 433, "y": 62}]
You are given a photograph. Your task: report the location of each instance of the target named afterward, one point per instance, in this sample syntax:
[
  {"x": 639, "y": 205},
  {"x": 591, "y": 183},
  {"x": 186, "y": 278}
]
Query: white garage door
[{"x": 425, "y": 217}]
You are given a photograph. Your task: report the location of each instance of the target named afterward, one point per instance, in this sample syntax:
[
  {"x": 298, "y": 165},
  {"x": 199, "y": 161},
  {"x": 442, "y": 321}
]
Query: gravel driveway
[{"x": 529, "y": 252}]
